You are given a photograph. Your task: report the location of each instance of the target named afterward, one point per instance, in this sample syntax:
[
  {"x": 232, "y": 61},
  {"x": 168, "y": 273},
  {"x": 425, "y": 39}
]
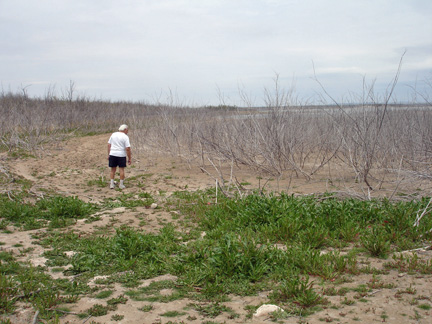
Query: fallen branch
[
  {"x": 61, "y": 311},
  {"x": 9, "y": 196},
  {"x": 35, "y": 317},
  {"x": 419, "y": 249},
  {"x": 425, "y": 211}
]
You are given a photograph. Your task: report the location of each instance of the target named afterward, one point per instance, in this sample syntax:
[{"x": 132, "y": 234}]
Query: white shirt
[{"x": 119, "y": 142}]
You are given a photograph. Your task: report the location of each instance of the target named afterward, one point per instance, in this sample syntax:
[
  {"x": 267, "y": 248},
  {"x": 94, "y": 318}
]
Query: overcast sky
[{"x": 206, "y": 50}]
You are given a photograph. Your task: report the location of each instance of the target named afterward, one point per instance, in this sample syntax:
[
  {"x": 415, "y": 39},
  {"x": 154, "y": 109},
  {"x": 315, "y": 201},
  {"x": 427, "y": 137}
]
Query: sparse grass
[
  {"x": 332, "y": 291},
  {"x": 237, "y": 256},
  {"x": 424, "y": 306},
  {"x": 104, "y": 294},
  {"x": 152, "y": 292},
  {"x": 101, "y": 182},
  {"x": 117, "y": 317},
  {"x": 98, "y": 310},
  {"x": 173, "y": 314},
  {"x": 376, "y": 283},
  {"x": 410, "y": 290},
  {"x": 146, "y": 308},
  {"x": 348, "y": 302},
  {"x": 411, "y": 264},
  {"x": 127, "y": 200},
  {"x": 211, "y": 310},
  {"x": 118, "y": 300}
]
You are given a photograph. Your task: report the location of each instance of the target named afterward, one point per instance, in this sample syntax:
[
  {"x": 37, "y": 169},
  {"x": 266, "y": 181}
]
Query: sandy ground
[{"x": 69, "y": 167}]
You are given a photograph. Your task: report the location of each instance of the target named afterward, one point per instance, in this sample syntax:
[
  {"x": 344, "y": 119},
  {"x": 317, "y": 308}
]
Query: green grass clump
[
  {"x": 316, "y": 223},
  {"x": 238, "y": 253},
  {"x": 128, "y": 249},
  {"x": 8, "y": 290},
  {"x": 297, "y": 290},
  {"x": 66, "y": 207},
  {"x": 146, "y": 308},
  {"x": 173, "y": 314},
  {"x": 377, "y": 241},
  {"x": 129, "y": 201},
  {"x": 23, "y": 283},
  {"x": 98, "y": 310},
  {"x": 118, "y": 300},
  {"x": 424, "y": 306},
  {"x": 57, "y": 211},
  {"x": 211, "y": 309},
  {"x": 117, "y": 317}
]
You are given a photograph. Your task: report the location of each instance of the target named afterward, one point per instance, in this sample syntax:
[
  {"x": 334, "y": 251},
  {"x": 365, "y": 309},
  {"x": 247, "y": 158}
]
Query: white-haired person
[{"x": 118, "y": 150}]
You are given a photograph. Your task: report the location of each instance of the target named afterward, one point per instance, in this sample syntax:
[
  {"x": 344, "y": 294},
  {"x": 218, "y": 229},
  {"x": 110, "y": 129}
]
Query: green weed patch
[
  {"x": 277, "y": 243},
  {"x": 55, "y": 211}
]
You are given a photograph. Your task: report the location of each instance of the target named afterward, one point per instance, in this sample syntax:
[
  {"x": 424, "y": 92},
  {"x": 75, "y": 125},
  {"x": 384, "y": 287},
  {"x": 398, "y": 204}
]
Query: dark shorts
[{"x": 115, "y": 161}]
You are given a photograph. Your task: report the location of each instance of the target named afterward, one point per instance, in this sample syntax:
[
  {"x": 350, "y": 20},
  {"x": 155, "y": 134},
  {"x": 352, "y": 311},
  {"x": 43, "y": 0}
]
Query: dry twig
[
  {"x": 424, "y": 212},
  {"x": 35, "y": 317}
]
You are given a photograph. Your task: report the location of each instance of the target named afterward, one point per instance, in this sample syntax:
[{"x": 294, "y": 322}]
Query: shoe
[
  {"x": 122, "y": 186},
  {"x": 112, "y": 185}
]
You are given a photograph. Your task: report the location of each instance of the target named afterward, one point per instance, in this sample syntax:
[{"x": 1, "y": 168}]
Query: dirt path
[
  {"x": 69, "y": 169},
  {"x": 78, "y": 167}
]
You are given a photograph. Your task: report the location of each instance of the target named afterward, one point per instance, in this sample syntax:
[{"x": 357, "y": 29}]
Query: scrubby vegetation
[
  {"x": 378, "y": 142},
  {"x": 297, "y": 251}
]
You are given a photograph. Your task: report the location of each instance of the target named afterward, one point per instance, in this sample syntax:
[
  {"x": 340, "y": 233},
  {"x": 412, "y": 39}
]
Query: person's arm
[
  {"x": 129, "y": 154},
  {"x": 109, "y": 149}
]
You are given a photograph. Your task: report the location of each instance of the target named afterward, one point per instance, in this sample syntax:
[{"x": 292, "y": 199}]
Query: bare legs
[
  {"x": 113, "y": 172},
  {"x": 122, "y": 177}
]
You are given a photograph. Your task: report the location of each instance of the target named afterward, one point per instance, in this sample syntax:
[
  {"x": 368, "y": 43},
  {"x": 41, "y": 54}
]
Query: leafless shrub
[
  {"x": 379, "y": 140},
  {"x": 277, "y": 140},
  {"x": 29, "y": 123},
  {"x": 361, "y": 128}
]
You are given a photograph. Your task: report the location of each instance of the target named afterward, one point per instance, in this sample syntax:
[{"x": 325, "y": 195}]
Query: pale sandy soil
[{"x": 67, "y": 170}]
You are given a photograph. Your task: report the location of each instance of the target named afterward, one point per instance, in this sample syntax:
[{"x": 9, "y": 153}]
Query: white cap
[{"x": 123, "y": 127}]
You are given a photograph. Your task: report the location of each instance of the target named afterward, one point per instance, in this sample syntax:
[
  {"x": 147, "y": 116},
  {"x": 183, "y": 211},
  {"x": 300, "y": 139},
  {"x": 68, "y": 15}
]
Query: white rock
[
  {"x": 267, "y": 309},
  {"x": 153, "y": 206},
  {"x": 39, "y": 261}
]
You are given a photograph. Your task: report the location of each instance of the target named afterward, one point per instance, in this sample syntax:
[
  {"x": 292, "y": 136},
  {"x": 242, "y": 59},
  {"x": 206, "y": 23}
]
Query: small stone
[
  {"x": 267, "y": 309},
  {"x": 153, "y": 206}
]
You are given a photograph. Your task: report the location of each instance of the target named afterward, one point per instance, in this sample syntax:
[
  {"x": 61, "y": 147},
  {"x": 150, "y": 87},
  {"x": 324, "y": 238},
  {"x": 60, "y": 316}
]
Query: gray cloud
[{"x": 132, "y": 50}]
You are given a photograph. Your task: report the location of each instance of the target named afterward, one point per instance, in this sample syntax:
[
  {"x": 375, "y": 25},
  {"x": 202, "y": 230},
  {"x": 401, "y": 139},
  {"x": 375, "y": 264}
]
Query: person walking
[{"x": 118, "y": 149}]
